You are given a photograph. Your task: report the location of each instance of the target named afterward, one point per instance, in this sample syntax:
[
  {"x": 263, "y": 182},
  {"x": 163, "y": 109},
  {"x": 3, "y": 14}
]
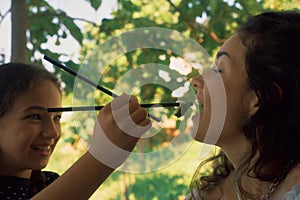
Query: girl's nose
[
  {"x": 51, "y": 129},
  {"x": 198, "y": 82}
]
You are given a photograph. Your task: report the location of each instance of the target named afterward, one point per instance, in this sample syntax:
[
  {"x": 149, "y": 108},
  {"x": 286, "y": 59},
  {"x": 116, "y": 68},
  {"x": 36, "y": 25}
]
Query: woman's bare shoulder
[
  {"x": 293, "y": 176},
  {"x": 294, "y": 193},
  {"x": 290, "y": 189}
]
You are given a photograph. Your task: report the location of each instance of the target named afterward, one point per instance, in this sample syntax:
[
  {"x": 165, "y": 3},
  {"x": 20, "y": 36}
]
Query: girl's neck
[{"x": 11, "y": 171}]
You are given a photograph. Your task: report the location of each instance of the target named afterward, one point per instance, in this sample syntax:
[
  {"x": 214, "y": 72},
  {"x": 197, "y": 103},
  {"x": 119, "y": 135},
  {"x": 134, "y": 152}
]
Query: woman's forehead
[{"x": 234, "y": 49}]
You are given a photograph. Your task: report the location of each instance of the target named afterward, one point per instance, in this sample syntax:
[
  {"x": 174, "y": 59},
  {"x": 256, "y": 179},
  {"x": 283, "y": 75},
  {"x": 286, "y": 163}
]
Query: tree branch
[
  {"x": 4, "y": 15},
  {"x": 193, "y": 25},
  {"x": 62, "y": 14},
  {"x": 84, "y": 20}
]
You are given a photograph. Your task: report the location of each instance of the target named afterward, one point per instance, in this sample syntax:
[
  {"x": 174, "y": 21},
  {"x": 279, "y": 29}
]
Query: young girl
[
  {"x": 29, "y": 133},
  {"x": 260, "y": 70}
]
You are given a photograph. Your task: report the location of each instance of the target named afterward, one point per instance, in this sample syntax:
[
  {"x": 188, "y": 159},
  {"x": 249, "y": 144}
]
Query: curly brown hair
[{"x": 273, "y": 68}]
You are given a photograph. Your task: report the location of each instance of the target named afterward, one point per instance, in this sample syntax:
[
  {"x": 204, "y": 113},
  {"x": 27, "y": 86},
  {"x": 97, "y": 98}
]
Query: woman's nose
[{"x": 197, "y": 82}]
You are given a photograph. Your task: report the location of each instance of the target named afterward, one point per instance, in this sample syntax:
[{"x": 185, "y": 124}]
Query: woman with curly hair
[{"x": 259, "y": 156}]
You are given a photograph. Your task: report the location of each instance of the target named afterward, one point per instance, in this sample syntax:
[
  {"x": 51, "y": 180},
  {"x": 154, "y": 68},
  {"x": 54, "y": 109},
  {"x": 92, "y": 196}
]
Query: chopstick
[
  {"x": 88, "y": 108},
  {"x": 106, "y": 91}
]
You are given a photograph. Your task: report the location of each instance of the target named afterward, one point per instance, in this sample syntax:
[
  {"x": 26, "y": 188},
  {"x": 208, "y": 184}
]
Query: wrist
[{"x": 105, "y": 151}]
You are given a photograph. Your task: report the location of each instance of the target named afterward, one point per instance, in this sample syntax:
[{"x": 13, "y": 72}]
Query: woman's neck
[{"x": 235, "y": 149}]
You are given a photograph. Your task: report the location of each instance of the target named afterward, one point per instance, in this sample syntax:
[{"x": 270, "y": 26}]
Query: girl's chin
[{"x": 39, "y": 166}]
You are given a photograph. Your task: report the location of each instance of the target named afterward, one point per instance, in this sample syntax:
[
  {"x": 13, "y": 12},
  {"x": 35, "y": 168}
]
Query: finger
[
  {"x": 139, "y": 115},
  {"x": 126, "y": 109},
  {"x": 147, "y": 123},
  {"x": 133, "y": 104},
  {"x": 106, "y": 110},
  {"x": 130, "y": 123},
  {"x": 133, "y": 99},
  {"x": 120, "y": 101}
]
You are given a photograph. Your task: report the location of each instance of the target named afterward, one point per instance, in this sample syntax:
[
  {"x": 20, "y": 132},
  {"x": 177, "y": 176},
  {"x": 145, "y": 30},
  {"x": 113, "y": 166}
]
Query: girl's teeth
[{"x": 41, "y": 148}]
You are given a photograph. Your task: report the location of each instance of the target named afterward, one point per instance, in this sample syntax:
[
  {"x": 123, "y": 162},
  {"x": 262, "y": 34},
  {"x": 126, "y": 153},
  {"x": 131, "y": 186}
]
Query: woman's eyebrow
[{"x": 221, "y": 53}]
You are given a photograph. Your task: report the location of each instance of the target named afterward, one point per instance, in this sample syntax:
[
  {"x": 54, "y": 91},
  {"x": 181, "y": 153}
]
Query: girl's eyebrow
[
  {"x": 40, "y": 108},
  {"x": 36, "y": 108},
  {"x": 221, "y": 53}
]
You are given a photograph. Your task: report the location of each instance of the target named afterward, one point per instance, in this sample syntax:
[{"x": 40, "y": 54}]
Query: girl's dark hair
[
  {"x": 38, "y": 182},
  {"x": 17, "y": 79},
  {"x": 273, "y": 68}
]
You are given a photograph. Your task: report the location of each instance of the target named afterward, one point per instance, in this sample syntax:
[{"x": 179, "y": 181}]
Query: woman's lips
[{"x": 199, "y": 98}]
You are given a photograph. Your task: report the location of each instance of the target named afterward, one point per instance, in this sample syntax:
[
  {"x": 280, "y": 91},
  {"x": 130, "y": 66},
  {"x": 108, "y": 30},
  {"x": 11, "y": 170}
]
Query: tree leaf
[
  {"x": 73, "y": 28},
  {"x": 95, "y": 3}
]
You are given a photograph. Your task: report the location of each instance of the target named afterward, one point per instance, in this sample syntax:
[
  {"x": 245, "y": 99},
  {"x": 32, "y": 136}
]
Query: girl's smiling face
[
  {"x": 240, "y": 101},
  {"x": 28, "y": 133}
]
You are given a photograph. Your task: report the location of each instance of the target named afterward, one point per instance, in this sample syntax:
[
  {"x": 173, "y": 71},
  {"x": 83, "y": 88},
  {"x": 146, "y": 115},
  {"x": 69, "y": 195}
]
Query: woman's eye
[{"x": 217, "y": 70}]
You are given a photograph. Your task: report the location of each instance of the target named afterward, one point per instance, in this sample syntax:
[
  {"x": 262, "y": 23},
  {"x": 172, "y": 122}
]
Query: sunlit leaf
[{"x": 73, "y": 29}]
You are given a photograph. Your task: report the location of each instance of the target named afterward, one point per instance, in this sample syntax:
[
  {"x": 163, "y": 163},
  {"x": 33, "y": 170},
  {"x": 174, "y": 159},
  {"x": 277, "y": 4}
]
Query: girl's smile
[{"x": 28, "y": 132}]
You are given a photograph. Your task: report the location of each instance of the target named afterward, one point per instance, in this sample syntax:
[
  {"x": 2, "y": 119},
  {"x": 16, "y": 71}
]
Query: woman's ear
[
  {"x": 278, "y": 92},
  {"x": 253, "y": 103}
]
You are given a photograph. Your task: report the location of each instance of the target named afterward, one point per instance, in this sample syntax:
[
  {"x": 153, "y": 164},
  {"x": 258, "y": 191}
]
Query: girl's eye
[
  {"x": 57, "y": 118},
  {"x": 34, "y": 117}
]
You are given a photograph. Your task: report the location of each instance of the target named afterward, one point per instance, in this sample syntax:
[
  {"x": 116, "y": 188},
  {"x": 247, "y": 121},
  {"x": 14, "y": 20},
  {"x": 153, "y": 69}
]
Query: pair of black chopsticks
[{"x": 86, "y": 108}]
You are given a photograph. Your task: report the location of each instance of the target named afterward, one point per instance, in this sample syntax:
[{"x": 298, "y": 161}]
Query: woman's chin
[
  {"x": 199, "y": 130},
  {"x": 196, "y": 126}
]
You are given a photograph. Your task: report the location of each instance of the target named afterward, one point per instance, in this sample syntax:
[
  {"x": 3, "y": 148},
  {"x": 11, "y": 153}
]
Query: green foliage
[
  {"x": 155, "y": 187},
  {"x": 220, "y": 20},
  {"x": 46, "y": 23},
  {"x": 170, "y": 182}
]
